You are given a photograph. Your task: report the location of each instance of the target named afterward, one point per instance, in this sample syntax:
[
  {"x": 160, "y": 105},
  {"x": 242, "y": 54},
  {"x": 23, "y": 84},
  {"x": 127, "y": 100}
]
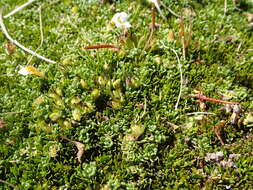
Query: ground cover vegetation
[{"x": 135, "y": 112}]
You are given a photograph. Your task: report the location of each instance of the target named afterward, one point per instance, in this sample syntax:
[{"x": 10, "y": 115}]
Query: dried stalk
[
  {"x": 181, "y": 75},
  {"x": 18, "y": 9},
  {"x": 18, "y": 44}
]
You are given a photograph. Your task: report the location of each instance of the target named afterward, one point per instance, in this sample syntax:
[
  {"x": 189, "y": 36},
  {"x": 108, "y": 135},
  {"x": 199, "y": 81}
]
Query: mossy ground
[{"x": 120, "y": 104}]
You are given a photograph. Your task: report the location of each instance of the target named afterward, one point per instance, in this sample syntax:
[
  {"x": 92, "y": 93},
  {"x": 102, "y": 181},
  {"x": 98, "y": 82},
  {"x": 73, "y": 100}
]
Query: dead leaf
[
  {"x": 10, "y": 48},
  {"x": 236, "y": 113},
  {"x": 80, "y": 148},
  {"x": 10, "y": 141},
  {"x": 214, "y": 157},
  {"x": 188, "y": 12},
  {"x": 249, "y": 17},
  {"x": 171, "y": 36},
  {"x": 218, "y": 130},
  {"x": 2, "y": 124}
]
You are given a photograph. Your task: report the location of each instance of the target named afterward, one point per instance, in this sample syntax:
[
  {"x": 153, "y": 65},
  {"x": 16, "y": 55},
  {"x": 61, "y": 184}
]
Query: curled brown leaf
[{"x": 79, "y": 146}]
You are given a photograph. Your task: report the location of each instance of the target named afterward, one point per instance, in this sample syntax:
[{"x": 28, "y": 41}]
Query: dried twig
[
  {"x": 18, "y": 44},
  {"x": 101, "y": 46},
  {"x": 18, "y": 9},
  {"x": 181, "y": 78},
  {"x": 204, "y": 98},
  {"x": 153, "y": 25}
]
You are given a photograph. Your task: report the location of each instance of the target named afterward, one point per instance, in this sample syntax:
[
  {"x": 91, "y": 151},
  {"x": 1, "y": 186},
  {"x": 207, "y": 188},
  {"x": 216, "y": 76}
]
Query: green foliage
[{"x": 121, "y": 104}]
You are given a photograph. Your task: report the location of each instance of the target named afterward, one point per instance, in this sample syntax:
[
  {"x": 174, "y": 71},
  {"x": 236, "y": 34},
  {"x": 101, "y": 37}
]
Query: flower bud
[
  {"x": 137, "y": 130},
  {"x": 83, "y": 83},
  {"x": 101, "y": 81},
  {"x": 76, "y": 113},
  {"x": 95, "y": 93},
  {"x": 116, "y": 104},
  {"x": 116, "y": 83},
  {"x": 59, "y": 91},
  {"x": 55, "y": 115},
  {"x": 75, "y": 100}
]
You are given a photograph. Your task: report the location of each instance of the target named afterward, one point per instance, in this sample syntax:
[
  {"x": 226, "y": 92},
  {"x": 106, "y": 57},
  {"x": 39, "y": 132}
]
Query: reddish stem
[
  {"x": 204, "y": 98},
  {"x": 100, "y": 46}
]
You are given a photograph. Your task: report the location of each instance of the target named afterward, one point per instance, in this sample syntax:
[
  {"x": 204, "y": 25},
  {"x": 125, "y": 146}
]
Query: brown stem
[
  {"x": 153, "y": 18},
  {"x": 204, "y": 98},
  {"x": 101, "y": 46}
]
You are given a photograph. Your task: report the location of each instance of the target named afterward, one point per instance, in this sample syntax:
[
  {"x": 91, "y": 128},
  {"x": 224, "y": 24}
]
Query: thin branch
[
  {"x": 204, "y": 98},
  {"x": 18, "y": 9},
  {"x": 101, "y": 46},
  {"x": 181, "y": 78},
  {"x": 153, "y": 24},
  {"x": 20, "y": 45}
]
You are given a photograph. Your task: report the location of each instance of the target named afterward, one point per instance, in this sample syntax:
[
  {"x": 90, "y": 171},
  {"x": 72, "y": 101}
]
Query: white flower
[
  {"x": 24, "y": 71},
  {"x": 29, "y": 70},
  {"x": 120, "y": 20},
  {"x": 157, "y": 7}
]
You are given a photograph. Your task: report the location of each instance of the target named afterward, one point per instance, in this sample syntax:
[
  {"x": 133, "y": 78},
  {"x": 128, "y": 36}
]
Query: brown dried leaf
[
  {"x": 249, "y": 17},
  {"x": 202, "y": 105},
  {"x": 2, "y": 124},
  {"x": 80, "y": 148},
  {"x": 171, "y": 36},
  {"x": 10, "y": 48},
  {"x": 236, "y": 113},
  {"x": 188, "y": 12},
  {"x": 218, "y": 130},
  {"x": 181, "y": 27}
]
